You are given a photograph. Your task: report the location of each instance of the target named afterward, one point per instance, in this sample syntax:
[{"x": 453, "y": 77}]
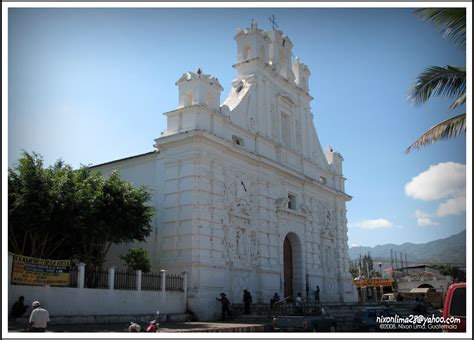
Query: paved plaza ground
[{"x": 168, "y": 327}]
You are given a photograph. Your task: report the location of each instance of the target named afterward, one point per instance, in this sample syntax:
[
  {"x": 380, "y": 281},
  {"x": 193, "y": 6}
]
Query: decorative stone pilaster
[
  {"x": 139, "y": 280},
  {"x": 163, "y": 280},
  {"x": 111, "y": 277},
  {"x": 81, "y": 274}
]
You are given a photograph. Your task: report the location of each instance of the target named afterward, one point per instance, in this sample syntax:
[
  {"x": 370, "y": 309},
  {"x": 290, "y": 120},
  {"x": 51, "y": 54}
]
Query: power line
[{"x": 387, "y": 260}]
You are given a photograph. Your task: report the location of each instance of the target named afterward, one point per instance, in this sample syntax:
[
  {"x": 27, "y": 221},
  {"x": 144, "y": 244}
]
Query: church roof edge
[{"x": 123, "y": 159}]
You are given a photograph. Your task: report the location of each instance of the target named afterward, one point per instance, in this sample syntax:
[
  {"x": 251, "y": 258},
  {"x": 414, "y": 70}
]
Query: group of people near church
[
  {"x": 247, "y": 300},
  {"x": 39, "y": 316},
  {"x": 226, "y": 304}
]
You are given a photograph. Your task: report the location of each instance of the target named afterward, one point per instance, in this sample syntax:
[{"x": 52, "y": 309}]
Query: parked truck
[{"x": 306, "y": 319}]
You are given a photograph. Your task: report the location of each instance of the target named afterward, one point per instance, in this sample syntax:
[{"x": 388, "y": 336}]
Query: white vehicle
[{"x": 389, "y": 297}]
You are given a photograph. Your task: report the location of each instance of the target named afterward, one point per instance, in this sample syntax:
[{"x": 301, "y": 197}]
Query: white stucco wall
[{"x": 64, "y": 301}]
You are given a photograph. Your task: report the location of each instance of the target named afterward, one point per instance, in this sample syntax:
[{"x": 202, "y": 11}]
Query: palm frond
[
  {"x": 450, "y": 21},
  {"x": 449, "y": 81},
  {"x": 448, "y": 128},
  {"x": 459, "y": 101}
]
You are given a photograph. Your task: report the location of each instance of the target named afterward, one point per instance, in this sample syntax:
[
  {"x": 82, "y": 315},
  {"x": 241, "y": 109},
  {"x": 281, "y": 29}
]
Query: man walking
[
  {"x": 39, "y": 318},
  {"x": 247, "y": 301},
  {"x": 225, "y": 303}
]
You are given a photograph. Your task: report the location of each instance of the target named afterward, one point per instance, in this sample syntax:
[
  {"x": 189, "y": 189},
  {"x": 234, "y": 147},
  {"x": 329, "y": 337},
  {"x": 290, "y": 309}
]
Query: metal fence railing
[
  {"x": 73, "y": 277},
  {"x": 174, "y": 282},
  {"x": 151, "y": 281},
  {"x": 96, "y": 279},
  {"x": 125, "y": 280}
]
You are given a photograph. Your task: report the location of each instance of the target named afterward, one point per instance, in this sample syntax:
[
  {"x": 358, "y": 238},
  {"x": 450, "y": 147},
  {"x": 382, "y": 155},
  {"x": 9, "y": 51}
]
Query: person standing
[
  {"x": 225, "y": 303},
  {"x": 299, "y": 303},
  {"x": 299, "y": 300},
  {"x": 274, "y": 299},
  {"x": 247, "y": 301},
  {"x": 316, "y": 294},
  {"x": 39, "y": 318},
  {"x": 18, "y": 308}
]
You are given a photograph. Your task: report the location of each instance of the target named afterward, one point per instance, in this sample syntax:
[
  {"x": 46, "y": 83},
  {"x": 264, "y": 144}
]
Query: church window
[
  {"x": 285, "y": 129},
  {"x": 291, "y": 201},
  {"x": 237, "y": 140},
  {"x": 210, "y": 101},
  {"x": 261, "y": 54},
  {"x": 188, "y": 99},
  {"x": 247, "y": 52},
  {"x": 283, "y": 57}
]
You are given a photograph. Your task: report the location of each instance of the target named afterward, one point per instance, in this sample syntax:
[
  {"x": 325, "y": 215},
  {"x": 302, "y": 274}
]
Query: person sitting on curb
[
  {"x": 19, "y": 308},
  {"x": 39, "y": 318}
]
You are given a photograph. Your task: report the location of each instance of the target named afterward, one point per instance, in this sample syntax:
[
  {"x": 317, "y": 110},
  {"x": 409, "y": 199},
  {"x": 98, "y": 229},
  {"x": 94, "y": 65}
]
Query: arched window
[
  {"x": 187, "y": 99},
  {"x": 247, "y": 52},
  {"x": 210, "y": 101},
  {"x": 283, "y": 57},
  {"x": 261, "y": 53}
]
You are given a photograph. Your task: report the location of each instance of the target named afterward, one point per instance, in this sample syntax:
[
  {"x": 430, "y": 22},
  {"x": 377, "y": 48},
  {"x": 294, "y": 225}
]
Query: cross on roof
[{"x": 273, "y": 21}]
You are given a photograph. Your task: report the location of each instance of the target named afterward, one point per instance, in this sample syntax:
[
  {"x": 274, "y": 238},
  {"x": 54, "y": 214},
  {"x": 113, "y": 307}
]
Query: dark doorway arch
[
  {"x": 426, "y": 285},
  {"x": 293, "y": 282},
  {"x": 287, "y": 268}
]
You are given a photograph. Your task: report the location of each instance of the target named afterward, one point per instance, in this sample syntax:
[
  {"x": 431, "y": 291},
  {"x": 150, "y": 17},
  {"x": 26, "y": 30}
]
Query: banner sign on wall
[{"x": 34, "y": 271}]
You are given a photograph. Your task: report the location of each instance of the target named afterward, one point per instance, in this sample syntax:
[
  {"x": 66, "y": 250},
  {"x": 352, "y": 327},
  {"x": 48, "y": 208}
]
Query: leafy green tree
[
  {"x": 448, "y": 81},
  {"x": 59, "y": 212},
  {"x": 444, "y": 269},
  {"x": 117, "y": 214},
  {"x": 37, "y": 209},
  {"x": 137, "y": 259},
  {"x": 354, "y": 270}
]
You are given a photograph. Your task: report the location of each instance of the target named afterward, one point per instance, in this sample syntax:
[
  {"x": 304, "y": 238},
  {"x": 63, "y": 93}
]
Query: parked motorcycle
[
  {"x": 134, "y": 327},
  {"x": 154, "y": 325}
]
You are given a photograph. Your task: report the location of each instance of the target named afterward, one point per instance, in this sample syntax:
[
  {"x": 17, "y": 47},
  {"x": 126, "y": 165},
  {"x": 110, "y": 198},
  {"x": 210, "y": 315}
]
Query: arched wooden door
[{"x": 287, "y": 268}]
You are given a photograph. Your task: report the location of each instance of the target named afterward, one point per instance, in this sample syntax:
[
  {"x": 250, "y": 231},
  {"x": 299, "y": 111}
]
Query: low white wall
[{"x": 62, "y": 301}]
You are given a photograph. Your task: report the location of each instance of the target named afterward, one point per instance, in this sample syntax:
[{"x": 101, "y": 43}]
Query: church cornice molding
[
  {"x": 190, "y": 108},
  {"x": 225, "y": 120},
  {"x": 178, "y": 138}
]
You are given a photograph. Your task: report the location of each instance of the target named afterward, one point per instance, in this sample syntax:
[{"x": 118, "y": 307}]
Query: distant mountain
[{"x": 447, "y": 250}]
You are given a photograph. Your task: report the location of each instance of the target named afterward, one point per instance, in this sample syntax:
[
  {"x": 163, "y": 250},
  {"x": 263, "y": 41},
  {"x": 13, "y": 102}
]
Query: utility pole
[
  {"x": 401, "y": 263},
  {"x": 391, "y": 258}
]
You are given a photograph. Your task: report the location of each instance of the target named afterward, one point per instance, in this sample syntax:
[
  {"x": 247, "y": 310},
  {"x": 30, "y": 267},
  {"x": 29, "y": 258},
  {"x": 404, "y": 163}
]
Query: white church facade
[{"x": 244, "y": 195}]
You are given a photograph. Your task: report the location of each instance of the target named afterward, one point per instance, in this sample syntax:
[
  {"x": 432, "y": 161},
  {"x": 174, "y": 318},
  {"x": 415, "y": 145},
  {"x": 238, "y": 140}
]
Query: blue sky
[{"x": 90, "y": 86}]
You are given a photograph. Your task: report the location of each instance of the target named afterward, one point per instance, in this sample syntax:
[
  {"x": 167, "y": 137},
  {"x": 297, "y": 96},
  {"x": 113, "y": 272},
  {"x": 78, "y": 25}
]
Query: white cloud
[
  {"x": 423, "y": 219},
  {"x": 354, "y": 245},
  {"x": 453, "y": 206},
  {"x": 380, "y": 223},
  {"x": 440, "y": 181}
]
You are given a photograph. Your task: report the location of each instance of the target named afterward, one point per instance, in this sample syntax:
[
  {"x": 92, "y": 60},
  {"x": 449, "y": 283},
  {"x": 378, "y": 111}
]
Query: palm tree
[{"x": 448, "y": 81}]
